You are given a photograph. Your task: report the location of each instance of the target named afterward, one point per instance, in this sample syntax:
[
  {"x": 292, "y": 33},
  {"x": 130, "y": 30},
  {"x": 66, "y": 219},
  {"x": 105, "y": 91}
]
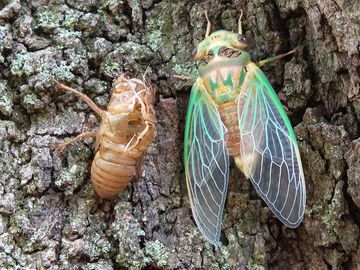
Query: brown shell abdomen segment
[
  {"x": 111, "y": 172},
  {"x": 228, "y": 114}
]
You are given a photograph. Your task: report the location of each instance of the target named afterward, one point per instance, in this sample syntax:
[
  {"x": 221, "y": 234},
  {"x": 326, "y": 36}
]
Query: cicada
[
  {"x": 234, "y": 111},
  {"x": 127, "y": 128}
]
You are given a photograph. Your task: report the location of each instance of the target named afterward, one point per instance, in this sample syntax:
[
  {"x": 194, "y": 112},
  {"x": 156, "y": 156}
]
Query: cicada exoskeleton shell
[{"x": 127, "y": 128}]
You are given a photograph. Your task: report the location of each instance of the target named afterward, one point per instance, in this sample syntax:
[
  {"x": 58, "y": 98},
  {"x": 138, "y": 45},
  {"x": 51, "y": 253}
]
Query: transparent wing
[
  {"x": 206, "y": 162},
  {"x": 269, "y": 149}
]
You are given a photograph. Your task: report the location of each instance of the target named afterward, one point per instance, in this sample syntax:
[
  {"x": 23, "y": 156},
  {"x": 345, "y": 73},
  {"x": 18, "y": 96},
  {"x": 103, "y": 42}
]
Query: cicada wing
[
  {"x": 269, "y": 150},
  {"x": 206, "y": 162}
]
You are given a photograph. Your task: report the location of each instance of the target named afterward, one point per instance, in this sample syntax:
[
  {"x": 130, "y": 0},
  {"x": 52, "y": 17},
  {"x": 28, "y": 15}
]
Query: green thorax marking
[
  {"x": 223, "y": 77},
  {"x": 222, "y": 65}
]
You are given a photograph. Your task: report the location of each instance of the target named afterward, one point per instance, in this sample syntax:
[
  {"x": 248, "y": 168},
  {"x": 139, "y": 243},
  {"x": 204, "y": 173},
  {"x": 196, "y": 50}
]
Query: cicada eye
[
  {"x": 210, "y": 53},
  {"x": 199, "y": 55},
  {"x": 241, "y": 38}
]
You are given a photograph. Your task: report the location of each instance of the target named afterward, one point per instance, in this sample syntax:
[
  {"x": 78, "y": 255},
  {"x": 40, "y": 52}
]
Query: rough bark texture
[{"x": 50, "y": 217}]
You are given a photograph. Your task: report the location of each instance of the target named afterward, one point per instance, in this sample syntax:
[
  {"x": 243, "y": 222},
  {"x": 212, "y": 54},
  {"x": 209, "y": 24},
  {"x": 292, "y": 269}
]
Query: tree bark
[{"x": 50, "y": 216}]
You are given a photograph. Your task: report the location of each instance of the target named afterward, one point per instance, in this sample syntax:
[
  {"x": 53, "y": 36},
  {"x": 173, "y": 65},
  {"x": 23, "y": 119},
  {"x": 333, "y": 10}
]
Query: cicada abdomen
[{"x": 127, "y": 128}]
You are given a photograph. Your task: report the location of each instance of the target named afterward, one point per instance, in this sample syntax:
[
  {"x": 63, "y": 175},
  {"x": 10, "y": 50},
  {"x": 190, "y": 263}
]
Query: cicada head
[
  {"x": 221, "y": 56},
  {"x": 221, "y": 48},
  {"x": 221, "y": 43}
]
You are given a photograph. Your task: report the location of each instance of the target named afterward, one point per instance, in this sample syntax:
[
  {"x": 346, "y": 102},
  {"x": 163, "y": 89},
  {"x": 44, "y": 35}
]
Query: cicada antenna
[
  {"x": 208, "y": 27},
  {"x": 240, "y": 25}
]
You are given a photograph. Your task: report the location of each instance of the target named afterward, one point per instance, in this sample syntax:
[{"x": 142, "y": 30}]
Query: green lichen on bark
[
  {"x": 50, "y": 217},
  {"x": 6, "y": 99}
]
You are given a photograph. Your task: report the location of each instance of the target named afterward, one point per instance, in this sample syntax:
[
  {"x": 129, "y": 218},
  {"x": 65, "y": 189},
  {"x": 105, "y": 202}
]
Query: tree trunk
[{"x": 50, "y": 216}]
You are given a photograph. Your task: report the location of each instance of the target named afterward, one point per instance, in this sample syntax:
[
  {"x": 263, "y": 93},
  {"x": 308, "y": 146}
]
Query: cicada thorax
[
  {"x": 126, "y": 131},
  {"x": 224, "y": 80}
]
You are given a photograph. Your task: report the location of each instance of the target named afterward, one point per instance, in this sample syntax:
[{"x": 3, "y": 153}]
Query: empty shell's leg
[
  {"x": 79, "y": 137},
  {"x": 150, "y": 123},
  {"x": 139, "y": 167},
  {"x": 82, "y": 96},
  {"x": 134, "y": 142},
  {"x": 128, "y": 145},
  {"x": 263, "y": 62}
]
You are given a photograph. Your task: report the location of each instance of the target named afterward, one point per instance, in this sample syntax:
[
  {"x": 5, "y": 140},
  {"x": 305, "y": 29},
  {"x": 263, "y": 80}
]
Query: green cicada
[{"x": 233, "y": 110}]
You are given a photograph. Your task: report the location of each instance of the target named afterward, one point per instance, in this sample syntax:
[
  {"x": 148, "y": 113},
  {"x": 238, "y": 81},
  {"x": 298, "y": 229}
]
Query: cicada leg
[
  {"x": 82, "y": 96},
  {"x": 139, "y": 165},
  {"x": 185, "y": 78},
  {"x": 148, "y": 115},
  {"x": 149, "y": 124},
  {"x": 78, "y": 137},
  {"x": 265, "y": 61},
  {"x": 127, "y": 147},
  {"x": 149, "y": 118}
]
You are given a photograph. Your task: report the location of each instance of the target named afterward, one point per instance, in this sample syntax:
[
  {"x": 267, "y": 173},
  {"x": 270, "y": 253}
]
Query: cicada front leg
[
  {"x": 139, "y": 165},
  {"x": 91, "y": 104},
  {"x": 84, "y": 135},
  {"x": 82, "y": 96},
  {"x": 146, "y": 136},
  {"x": 149, "y": 118}
]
